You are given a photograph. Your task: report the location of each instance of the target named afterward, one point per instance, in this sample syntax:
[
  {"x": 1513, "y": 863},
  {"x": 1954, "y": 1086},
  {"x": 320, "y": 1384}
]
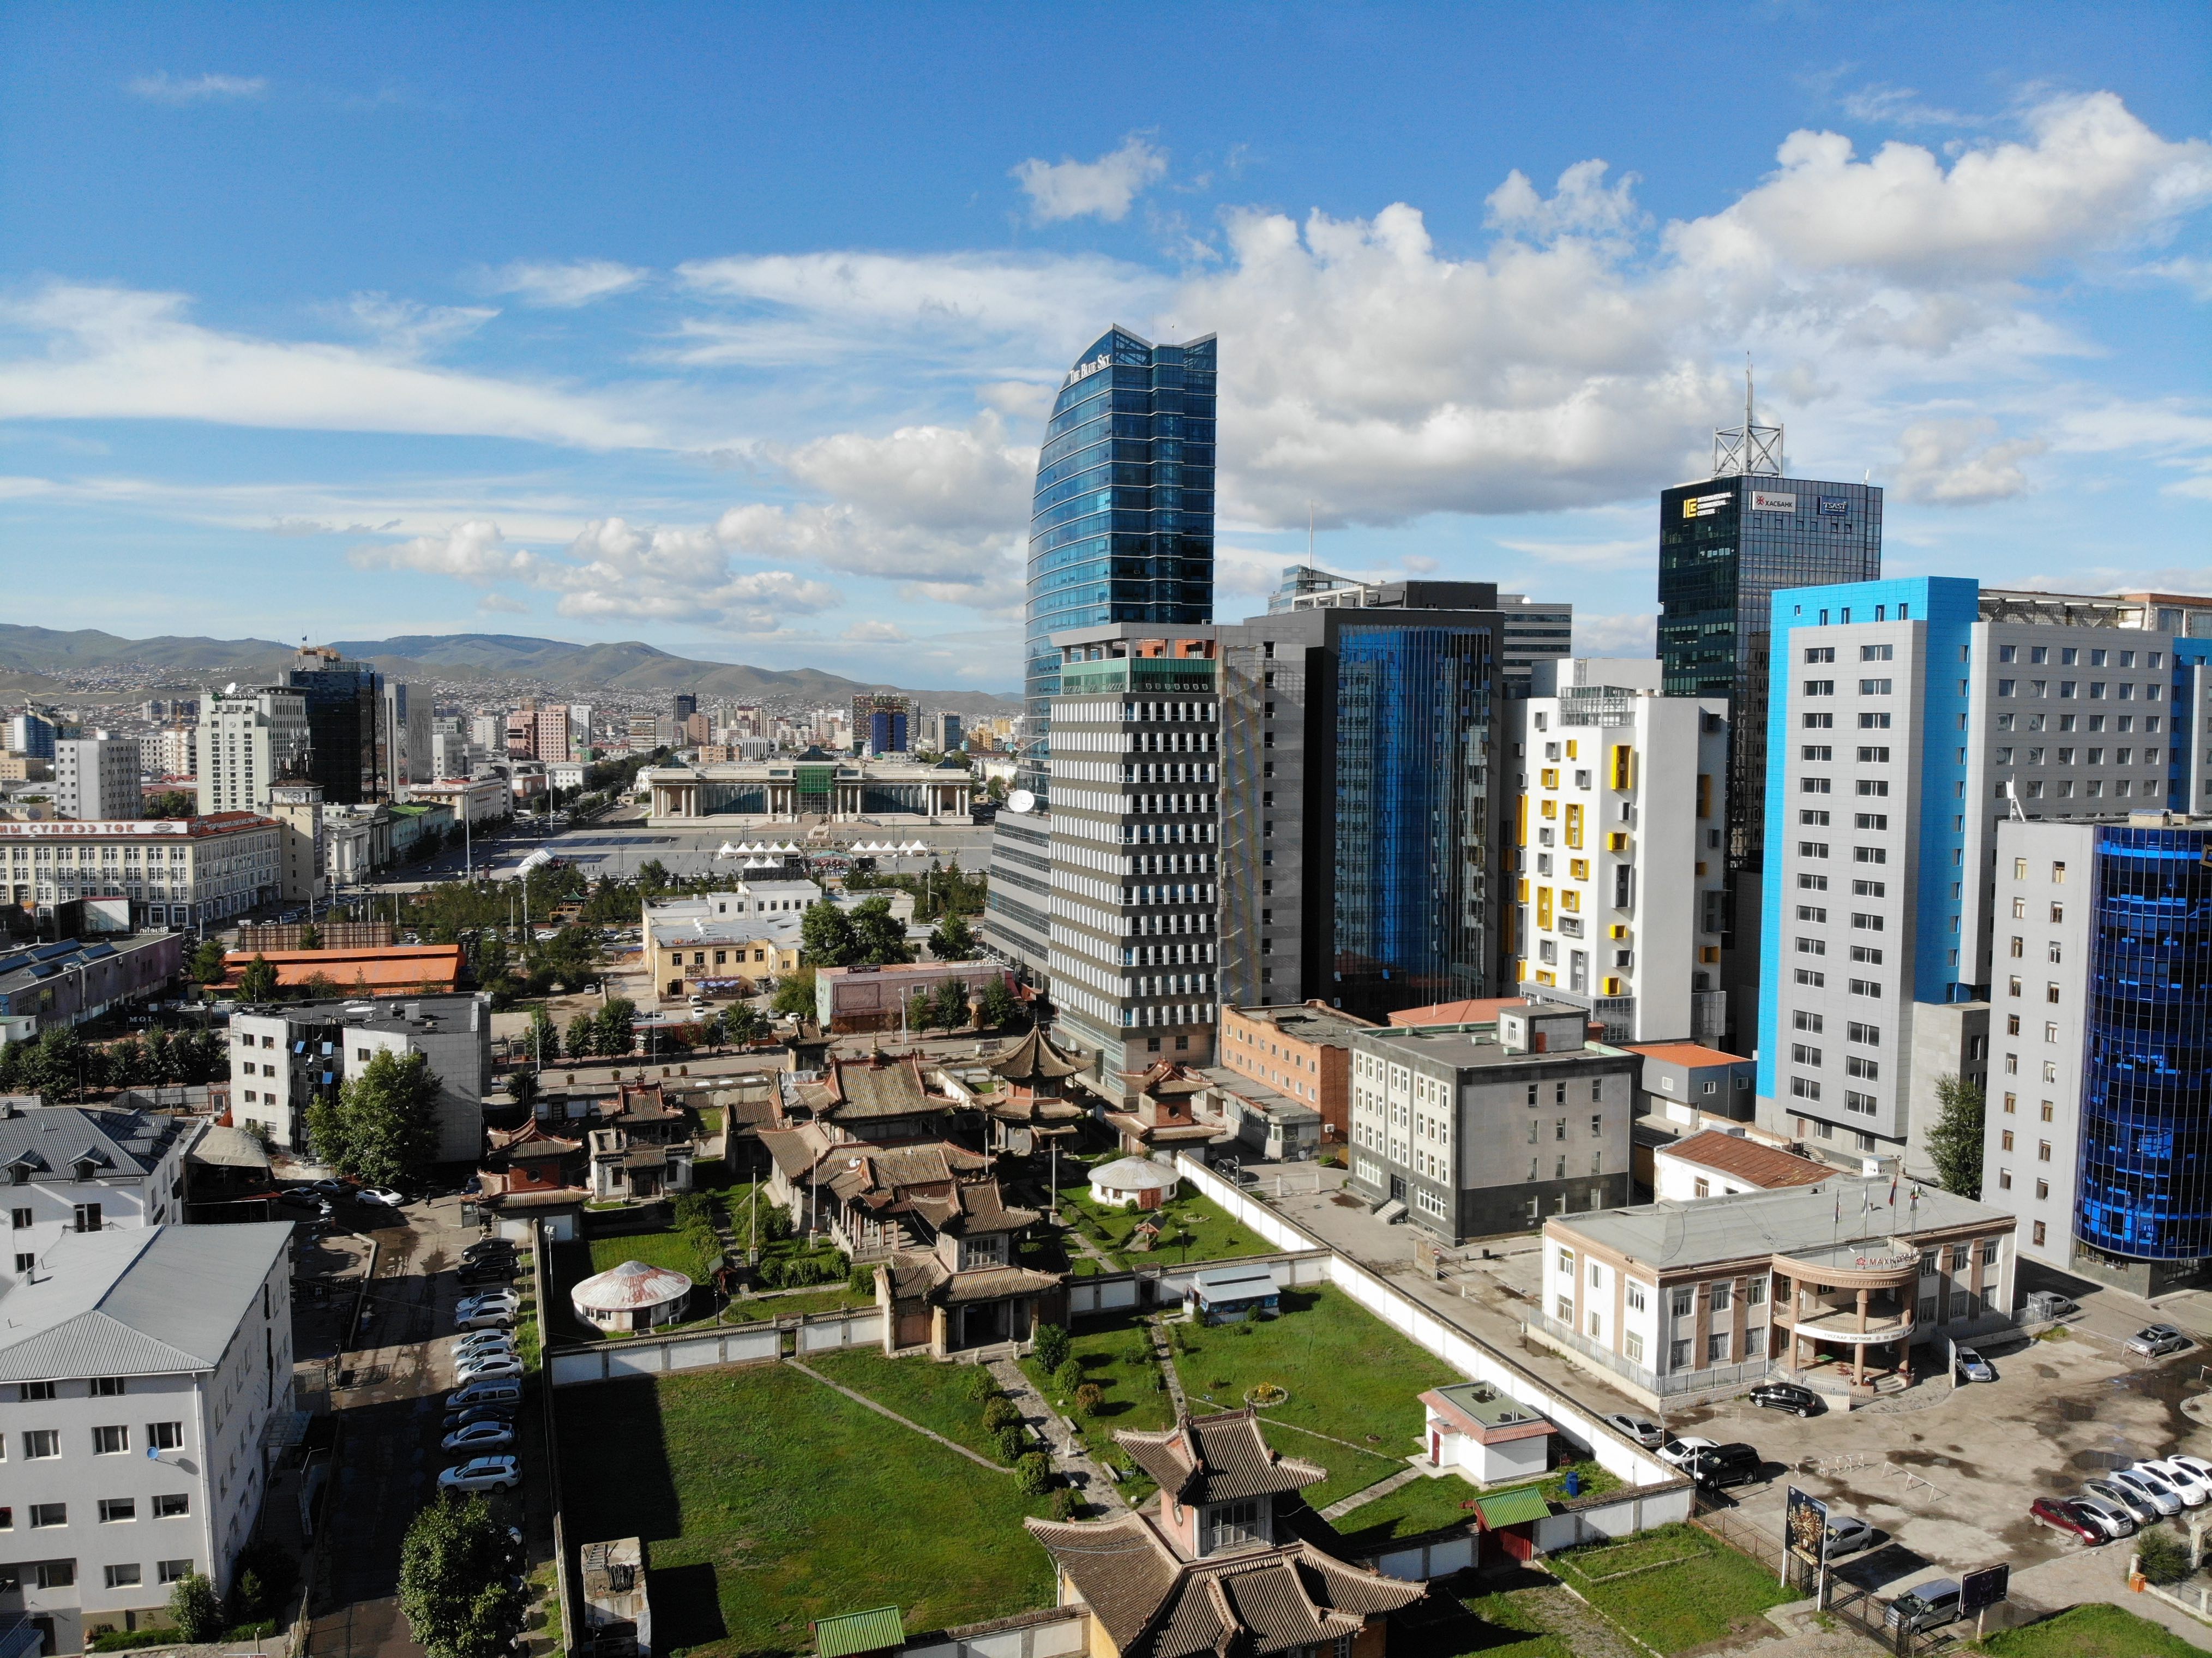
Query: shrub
[
  {"x": 982, "y": 1384},
  {"x": 1033, "y": 1473},
  {"x": 1089, "y": 1397},
  {"x": 1052, "y": 1346},
  {"x": 1067, "y": 1377},
  {"x": 863, "y": 1281},
  {"x": 2165, "y": 1556},
  {"x": 1001, "y": 1412},
  {"x": 1009, "y": 1443},
  {"x": 1065, "y": 1503},
  {"x": 194, "y": 1609}
]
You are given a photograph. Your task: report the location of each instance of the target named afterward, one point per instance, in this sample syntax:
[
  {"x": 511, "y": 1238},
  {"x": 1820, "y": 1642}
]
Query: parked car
[
  {"x": 2115, "y": 1522},
  {"x": 485, "y": 1318},
  {"x": 482, "y": 1473},
  {"x": 1733, "y": 1464},
  {"x": 304, "y": 1197},
  {"x": 476, "y": 1413},
  {"x": 490, "y": 1367},
  {"x": 1787, "y": 1396},
  {"x": 1678, "y": 1453},
  {"x": 2191, "y": 1486},
  {"x": 2156, "y": 1341},
  {"x": 480, "y": 1437},
  {"x": 505, "y": 1390},
  {"x": 485, "y": 1300},
  {"x": 2196, "y": 1464},
  {"x": 1972, "y": 1367},
  {"x": 1847, "y": 1535},
  {"x": 382, "y": 1197},
  {"x": 1650, "y": 1435},
  {"x": 2137, "y": 1506},
  {"x": 2061, "y": 1516},
  {"x": 493, "y": 1271},
  {"x": 483, "y": 1341},
  {"x": 2149, "y": 1487},
  {"x": 482, "y": 1248},
  {"x": 1930, "y": 1605},
  {"x": 331, "y": 1188}
]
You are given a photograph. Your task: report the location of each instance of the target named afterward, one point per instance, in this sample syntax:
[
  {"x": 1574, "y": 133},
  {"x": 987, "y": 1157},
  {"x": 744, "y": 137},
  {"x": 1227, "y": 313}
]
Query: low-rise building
[
  {"x": 284, "y": 1058},
  {"x": 75, "y": 979},
  {"x": 1485, "y": 1436},
  {"x": 1831, "y": 1284},
  {"x": 1681, "y": 1080},
  {"x": 1713, "y": 1164},
  {"x": 850, "y": 999},
  {"x": 728, "y": 942},
  {"x": 176, "y": 872},
  {"x": 143, "y": 1371},
  {"x": 368, "y": 971},
  {"x": 471, "y": 800},
  {"x": 1479, "y": 1130},
  {"x": 842, "y": 788},
  {"x": 1302, "y": 1050},
  {"x": 66, "y": 1169}
]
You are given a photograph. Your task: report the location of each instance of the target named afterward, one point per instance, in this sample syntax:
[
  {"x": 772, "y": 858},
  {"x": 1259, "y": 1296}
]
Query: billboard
[
  {"x": 1805, "y": 1529},
  {"x": 1985, "y": 1588},
  {"x": 1835, "y": 506},
  {"x": 1766, "y": 500}
]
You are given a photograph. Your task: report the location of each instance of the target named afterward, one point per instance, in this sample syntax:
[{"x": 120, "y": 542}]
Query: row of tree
[
  {"x": 61, "y": 1066},
  {"x": 949, "y": 1007},
  {"x": 869, "y": 935}
]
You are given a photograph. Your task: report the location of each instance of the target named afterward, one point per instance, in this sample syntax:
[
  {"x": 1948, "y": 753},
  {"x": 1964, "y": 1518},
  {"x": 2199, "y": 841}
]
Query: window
[
  {"x": 2038, "y": 1233},
  {"x": 1723, "y": 1295},
  {"x": 20, "y": 1219},
  {"x": 1868, "y": 1034},
  {"x": 108, "y": 1386},
  {"x": 1874, "y": 756},
  {"x": 2043, "y": 1150},
  {"x": 1804, "y": 1020},
  {"x": 30, "y": 1393},
  {"x": 1820, "y": 653},
  {"x": 165, "y": 1435},
  {"x": 1865, "y": 988},
  {"x": 1874, "y": 687},
  {"x": 122, "y": 1578},
  {"x": 1684, "y": 1301},
  {"x": 1820, "y": 722},
  {"x": 1632, "y": 1345},
  {"x": 1635, "y": 1292},
  {"x": 42, "y": 1443},
  {"x": 110, "y": 1441},
  {"x": 1716, "y": 1347},
  {"x": 87, "y": 1217},
  {"x": 1877, "y": 652},
  {"x": 2004, "y": 1139},
  {"x": 54, "y": 1574},
  {"x": 172, "y": 1505},
  {"x": 172, "y": 1571},
  {"x": 45, "y": 1515},
  {"x": 1755, "y": 1293},
  {"x": 1871, "y": 820},
  {"x": 115, "y": 1510}
]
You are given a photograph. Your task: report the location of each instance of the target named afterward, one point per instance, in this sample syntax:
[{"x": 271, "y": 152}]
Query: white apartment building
[
  {"x": 176, "y": 872},
  {"x": 282, "y": 1059},
  {"x": 142, "y": 1373},
  {"x": 1908, "y": 721},
  {"x": 247, "y": 740},
  {"x": 1620, "y": 837},
  {"x": 487, "y": 733},
  {"x": 179, "y": 754},
  {"x": 1133, "y": 940},
  {"x": 96, "y": 777},
  {"x": 66, "y": 1169}
]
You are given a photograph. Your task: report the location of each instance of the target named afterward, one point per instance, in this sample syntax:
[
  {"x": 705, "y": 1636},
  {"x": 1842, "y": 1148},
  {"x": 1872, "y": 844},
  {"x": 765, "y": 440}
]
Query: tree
[
  {"x": 539, "y": 1038},
  {"x": 454, "y": 1579},
  {"x": 311, "y": 936},
  {"x": 1955, "y": 1143},
  {"x": 618, "y": 1023},
  {"x": 951, "y": 940},
  {"x": 999, "y": 1006},
  {"x": 828, "y": 936},
  {"x": 1052, "y": 1346},
  {"x": 879, "y": 935},
  {"x": 381, "y": 1127},
  {"x": 194, "y": 1609},
  {"x": 522, "y": 1087},
  {"x": 208, "y": 966},
  {"x": 920, "y": 1011},
  {"x": 258, "y": 982},
  {"x": 741, "y": 1023},
  {"x": 583, "y": 1036},
  {"x": 794, "y": 994},
  {"x": 952, "y": 1004}
]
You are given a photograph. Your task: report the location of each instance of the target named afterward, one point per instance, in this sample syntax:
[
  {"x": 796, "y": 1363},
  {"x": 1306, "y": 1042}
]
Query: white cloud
[
  {"x": 1901, "y": 107},
  {"x": 501, "y": 604},
  {"x": 935, "y": 476},
  {"x": 1069, "y": 189},
  {"x": 1629, "y": 553},
  {"x": 165, "y": 89},
  {"x": 878, "y": 633},
  {"x": 1582, "y": 204},
  {"x": 98, "y": 353},
  {"x": 1630, "y": 634},
  {"x": 405, "y": 329},
  {"x": 2191, "y": 273},
  {"x": 563, "y": 287},
  {"x": 1958, "y": 463}
]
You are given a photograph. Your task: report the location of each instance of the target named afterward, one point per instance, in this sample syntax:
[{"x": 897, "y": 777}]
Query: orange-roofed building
[
  {"x": 1478, "y": 1010},
  {"x": 1679, "y": 1080},
  {"x": 393, "y": 970}
]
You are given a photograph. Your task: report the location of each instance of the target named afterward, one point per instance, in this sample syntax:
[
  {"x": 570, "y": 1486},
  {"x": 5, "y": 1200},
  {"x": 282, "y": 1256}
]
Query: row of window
[
  {"x": 113, "y": 1511},
  {"x": 62, "y": 1575},
  {"x": 2122, "y": 692},
  {"x": 2070, "y": 655},
  {"x": 1867, "y": 687},
  {"x": 39, "y": 1443}
]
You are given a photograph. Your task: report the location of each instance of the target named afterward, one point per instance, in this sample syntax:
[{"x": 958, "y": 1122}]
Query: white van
[{"x": 491, "y": 1391}]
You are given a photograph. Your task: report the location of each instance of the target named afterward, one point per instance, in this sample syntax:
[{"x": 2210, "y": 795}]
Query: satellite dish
[{"x": 1021, "y": 800}]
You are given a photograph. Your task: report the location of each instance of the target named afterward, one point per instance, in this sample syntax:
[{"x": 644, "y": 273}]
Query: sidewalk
[{"x": 1089, "y": 1480}]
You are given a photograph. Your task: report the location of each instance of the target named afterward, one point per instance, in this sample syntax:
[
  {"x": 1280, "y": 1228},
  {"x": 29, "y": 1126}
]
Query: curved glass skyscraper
[{"x": 1122, "y": 525}]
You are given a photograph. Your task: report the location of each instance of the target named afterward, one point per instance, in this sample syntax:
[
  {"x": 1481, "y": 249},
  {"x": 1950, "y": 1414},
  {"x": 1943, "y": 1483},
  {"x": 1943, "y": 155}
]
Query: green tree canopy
[
  {"x": 540, "y": 1041},
  {"x": 617, "y": 1027},
  {"x": 311, "y": 936},
  {"x": 194, "y": 1608},
  {"x": 207, "y": 966},
  {"x": 953, "y": 940},
  {"x": 583, "y": 1036},
  {"x": 878, "y": 936},
  {"x": 258, "y": 982},
  {"x": 828, "y": 936},
  {"x": 381, "y": 1128},
  {"x": 998, "y": 1006},
  {"x": 952, "y": 1004},
  {"x": 794, "y": 997},
  {"x": 1955, "y": 1141},
  {"x": 454, "y": 1578}
]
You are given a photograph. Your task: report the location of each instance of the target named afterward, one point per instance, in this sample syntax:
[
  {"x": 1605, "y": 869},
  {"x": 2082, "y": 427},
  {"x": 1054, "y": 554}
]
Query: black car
[
  {"x": 490, "y": 1249},
  {"x": 487, "y": 1271},
  {"x": 478, "y": 1413},
  {"x": 1725, "y": 1465},
  {"x": 1787, "y": 1396}
]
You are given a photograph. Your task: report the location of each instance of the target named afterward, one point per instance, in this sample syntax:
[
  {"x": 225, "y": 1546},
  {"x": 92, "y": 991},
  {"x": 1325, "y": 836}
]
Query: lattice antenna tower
[{"x": 1749, "y": 450}]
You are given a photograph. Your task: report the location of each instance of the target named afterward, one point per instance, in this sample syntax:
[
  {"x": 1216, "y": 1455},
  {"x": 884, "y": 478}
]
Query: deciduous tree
[
  {"x": 828, "y": 936},
  {"x": 879, "y": 937},
  {"x": 453, "y": 1580},
  {"x": 1954, "y": 1142},
  {"x": 381, "y": 1128}
]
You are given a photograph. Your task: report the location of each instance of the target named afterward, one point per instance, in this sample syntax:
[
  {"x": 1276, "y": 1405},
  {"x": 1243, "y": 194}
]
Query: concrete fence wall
[
  {"x": 1617, "y": 1514},
  {"x": 1617, "y": 1455},
  {"x": 696, "y": 1349},
  {"x": 1422, "y": 1559},
  {"x": 1156, "y": 1286},
  {"x": 1058, "y": 1632}
]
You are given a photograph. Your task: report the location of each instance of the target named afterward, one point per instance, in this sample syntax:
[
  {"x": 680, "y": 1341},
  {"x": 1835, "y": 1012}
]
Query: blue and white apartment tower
[{"x": 1909, "y": 721}]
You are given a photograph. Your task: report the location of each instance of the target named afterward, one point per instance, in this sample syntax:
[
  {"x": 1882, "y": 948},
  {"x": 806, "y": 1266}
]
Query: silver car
[
  {"x": 1645, "y": 1432},
  {"x": 2149, "y": 1487},
  {"x": 2114, "y": 1521},
  {"x": 2137, "y": 1506}
]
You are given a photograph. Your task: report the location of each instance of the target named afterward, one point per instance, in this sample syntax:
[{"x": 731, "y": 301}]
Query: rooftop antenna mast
[{"x": 1750, "y": 450}]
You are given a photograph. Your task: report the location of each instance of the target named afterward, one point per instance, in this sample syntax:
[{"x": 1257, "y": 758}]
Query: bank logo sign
[
  {"x": 1766, "y": 500},
  {"x": 1835, "y": 506}
]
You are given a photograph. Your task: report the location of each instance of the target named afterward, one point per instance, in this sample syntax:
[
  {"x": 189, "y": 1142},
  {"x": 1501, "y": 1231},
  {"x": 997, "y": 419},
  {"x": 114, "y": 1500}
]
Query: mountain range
[{"x": 29, "y": 657}]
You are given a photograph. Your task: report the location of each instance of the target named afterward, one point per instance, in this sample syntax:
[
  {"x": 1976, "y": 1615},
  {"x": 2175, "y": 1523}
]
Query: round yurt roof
[
  {"x": 1133, "y": 1175},
  {"x": 631, "y": 1284}
]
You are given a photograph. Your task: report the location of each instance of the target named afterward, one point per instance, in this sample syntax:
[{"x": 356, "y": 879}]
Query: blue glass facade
[
  {"x": 2145, "y": 1187},
  {"x": 1122, "y": 523}
]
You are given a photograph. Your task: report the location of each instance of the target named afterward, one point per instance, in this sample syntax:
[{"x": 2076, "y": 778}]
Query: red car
[{"x": 2061, "y": 1516}]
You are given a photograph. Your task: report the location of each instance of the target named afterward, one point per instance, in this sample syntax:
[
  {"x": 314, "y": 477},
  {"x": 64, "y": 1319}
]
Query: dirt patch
[
  {"x": 1346, "y": 1200},
  {"x": 2048, "y": 1372},
  {"x": 2076, "y": 1409},
  {"x": 2099, "y": 1461}
]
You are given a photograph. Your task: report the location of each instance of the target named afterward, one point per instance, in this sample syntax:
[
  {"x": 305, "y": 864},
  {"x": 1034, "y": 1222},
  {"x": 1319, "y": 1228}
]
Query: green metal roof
[
  {"x": 859, "y": 1631},
  {"x": 1511, "y": 1508}
]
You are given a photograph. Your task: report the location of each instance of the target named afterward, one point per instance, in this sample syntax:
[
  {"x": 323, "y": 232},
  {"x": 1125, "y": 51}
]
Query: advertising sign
[
  {"x": 1766, "y": 500},
  {"x": 1835, "y": 506},
  {"x": 1707, "y": 506},
  {"x": 1805, "y": 1529},
  {"x": 1985, "y": 1588}
]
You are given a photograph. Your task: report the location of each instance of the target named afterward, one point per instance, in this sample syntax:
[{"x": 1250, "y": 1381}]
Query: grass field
[
  {"x": 1707, "y": 1591},
  {"x": 2093, "y": 1631},
  {"x": 920, "y": 1390},
  {"x": 1113, "y": 1352},
  {"x": 1424, "y": 1505},
  {"x": 766, "y": 1499},
  {"x": 671, "y": 1249},
  {"x": 798, "y": 1303},
  {"x": 1350, "y": 1376},
  {"x": 1499, "y": 1626},
  {"x": 1212, "y": 1234}
]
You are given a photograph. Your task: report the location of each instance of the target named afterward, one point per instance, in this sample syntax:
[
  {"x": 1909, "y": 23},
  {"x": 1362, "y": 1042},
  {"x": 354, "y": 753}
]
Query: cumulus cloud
[
  {"x": 563, "y": 287},
  {"x": 165, "y": 89},
  {"x": 878, "y": 633},
  {"x": 1581, "y": 203},
  {"x": 1069, "y": 189},
  {"x": 1959, "y": 463},
  {"x": 501, "y": 605},
  {"x": 938, "y": 477},
  {"x": 1632, "y": 634},
  {"x": 81, "y": 352}
]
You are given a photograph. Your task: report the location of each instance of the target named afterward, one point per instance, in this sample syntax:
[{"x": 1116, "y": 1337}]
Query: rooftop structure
[
  {"x": 1710, "y": 1164},
  {"x": 390, "y": 970}
]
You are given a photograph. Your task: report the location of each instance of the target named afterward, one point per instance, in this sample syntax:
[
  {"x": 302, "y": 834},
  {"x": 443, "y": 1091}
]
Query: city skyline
[{"x": 773, "y": 391}]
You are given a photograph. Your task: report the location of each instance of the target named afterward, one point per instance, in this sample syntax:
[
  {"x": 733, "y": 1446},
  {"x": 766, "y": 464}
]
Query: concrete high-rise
[
  {"x": 247, "y": 741},
  {"x": 97, "y": 777}
]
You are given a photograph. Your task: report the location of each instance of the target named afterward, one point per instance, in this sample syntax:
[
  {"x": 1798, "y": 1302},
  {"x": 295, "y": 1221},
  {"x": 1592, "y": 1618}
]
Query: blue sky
[{"x": 730, "y": 327}]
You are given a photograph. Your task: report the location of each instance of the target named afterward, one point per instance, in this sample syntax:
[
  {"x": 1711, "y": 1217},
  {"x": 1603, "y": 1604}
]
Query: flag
[
  {"x": 1839, "y": 1208},
  {"x": 1893, "y": 1188}
]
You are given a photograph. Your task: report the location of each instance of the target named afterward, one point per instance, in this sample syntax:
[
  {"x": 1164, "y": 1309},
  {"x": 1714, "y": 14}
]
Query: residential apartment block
[
  {"x": 1484, "y": 1129},
  {"x": 1620, "y": 836},
  {"x": 284, "y": 1058},
  {"x": 70, "y": 1168},
  {"x": 142, "y": 1367},
  {"x": 97, "y": 777},
  {"x": 247, "y": 740}
]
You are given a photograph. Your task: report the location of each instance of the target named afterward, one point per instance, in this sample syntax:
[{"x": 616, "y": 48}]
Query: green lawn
[
  {"x": 1499, "y": 1627},
  {"x": 748, "y": 1309},
  {"x": 1115, "y": 1352},
  {"x": 2091, "y": 1630},
  {"x": 671, "y": 1249},
  {"x": 1349, "y": 1375},
  {"x": 1212, "y": 1234},
  {"x": 1707, "y": 1591},
  {"x": 920, "y": 1390},
  {"x": 762, "y": 1498},
  {"x": 1424, "y": 1505}
]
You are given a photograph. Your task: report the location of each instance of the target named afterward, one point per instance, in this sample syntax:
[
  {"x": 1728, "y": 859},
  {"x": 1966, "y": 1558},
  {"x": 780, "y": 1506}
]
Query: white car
[
  {"x": 479, "y": 1437},
  {"x": 2196, "y": 1464},
  {"x": 483, "y": 1341},
  {"x": 484, "y": 1301},
  {"x": 1680, "y": 1453},
  {"x": 1644, "y": 1431},
  {"x": 491, "y": 1367},
  {"x": 383, "y": 1196},
  {"x": 482, "y": 1473},
  {"x": 484, "y": 1318},
  {"x": 2149, "y": 1487},
  {"x": 2192, "y": 1486}
]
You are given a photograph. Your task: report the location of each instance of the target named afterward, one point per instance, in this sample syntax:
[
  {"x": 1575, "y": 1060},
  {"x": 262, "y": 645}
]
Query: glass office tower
[
  {"x": 343, "y": 698},
  {"x": 1121, "y": 525}
]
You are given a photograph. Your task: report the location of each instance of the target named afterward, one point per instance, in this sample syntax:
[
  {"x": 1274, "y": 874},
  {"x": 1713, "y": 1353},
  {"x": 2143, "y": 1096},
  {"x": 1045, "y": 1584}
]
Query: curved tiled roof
[{"x": 1217, "y": 1458}]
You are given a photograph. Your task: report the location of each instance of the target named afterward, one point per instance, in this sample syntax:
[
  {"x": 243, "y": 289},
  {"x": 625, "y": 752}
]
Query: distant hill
[{"x": 28, "y": 653}]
